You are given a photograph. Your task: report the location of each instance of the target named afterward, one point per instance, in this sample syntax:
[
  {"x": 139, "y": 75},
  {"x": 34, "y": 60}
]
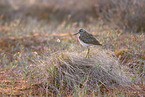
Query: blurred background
[{"x": 128, "y": 15}]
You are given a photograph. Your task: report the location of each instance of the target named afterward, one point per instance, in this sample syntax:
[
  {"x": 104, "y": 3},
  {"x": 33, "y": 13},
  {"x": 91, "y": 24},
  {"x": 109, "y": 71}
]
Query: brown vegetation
[
  {"x": 125, "y": 14},
  {"x": 39, "y": 56}
]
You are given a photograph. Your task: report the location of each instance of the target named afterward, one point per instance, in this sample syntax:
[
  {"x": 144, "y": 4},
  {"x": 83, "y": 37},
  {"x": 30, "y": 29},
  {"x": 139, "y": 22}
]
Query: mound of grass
[
  {"x": 65, "y": 73},
  {"x": 70, "y": 70}
]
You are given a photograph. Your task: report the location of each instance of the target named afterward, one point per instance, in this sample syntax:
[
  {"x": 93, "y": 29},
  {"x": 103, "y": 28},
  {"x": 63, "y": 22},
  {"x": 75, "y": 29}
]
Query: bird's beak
[{"x": 76, "y": 33}]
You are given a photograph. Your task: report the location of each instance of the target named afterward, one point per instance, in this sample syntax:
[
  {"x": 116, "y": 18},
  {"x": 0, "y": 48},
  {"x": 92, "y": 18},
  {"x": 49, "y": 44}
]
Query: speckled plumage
[{"x": 88, "y": 38}]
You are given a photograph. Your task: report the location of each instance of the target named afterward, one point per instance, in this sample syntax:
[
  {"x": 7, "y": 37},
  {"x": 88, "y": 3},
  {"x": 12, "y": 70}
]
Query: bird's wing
[{"x": 89, "y": 38}]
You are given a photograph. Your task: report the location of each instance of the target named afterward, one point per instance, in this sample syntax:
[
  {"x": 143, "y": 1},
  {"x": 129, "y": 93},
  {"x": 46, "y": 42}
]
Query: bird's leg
[{"x": 88, "y": 52}]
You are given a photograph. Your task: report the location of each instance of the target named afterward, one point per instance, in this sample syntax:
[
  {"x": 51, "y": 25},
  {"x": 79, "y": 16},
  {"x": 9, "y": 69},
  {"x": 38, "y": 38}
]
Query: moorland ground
[{"x": 40, "y": 56}]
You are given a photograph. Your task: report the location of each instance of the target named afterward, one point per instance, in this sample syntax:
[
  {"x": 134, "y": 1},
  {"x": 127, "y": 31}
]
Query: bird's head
[{"x": 80, "y": 31}]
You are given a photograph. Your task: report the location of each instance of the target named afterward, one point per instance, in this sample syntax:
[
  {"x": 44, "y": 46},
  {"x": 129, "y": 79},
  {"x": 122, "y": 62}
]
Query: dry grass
[
  {"x": 63, "y": 73},
  {"x": 39, "y": 56},
  {"x": 47, "y": 62},
  {"x": 99, "y": 70},
  {"x": 121, "y": 14},
  {"x": 50, "y": 11},
  {"x": 125, "y": 14}
]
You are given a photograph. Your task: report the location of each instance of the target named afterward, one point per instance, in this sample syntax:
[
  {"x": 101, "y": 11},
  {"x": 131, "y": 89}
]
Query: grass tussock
[
  {"x": 71, "y": 70},
  {"x": 64, "y": 73}
]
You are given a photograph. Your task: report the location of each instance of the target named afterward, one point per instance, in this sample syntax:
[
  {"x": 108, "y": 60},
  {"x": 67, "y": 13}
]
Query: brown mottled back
[{"x": 88, "y": 38}]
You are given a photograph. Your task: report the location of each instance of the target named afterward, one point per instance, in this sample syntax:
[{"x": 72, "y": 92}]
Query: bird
[{"x": 87, "y": 39}]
